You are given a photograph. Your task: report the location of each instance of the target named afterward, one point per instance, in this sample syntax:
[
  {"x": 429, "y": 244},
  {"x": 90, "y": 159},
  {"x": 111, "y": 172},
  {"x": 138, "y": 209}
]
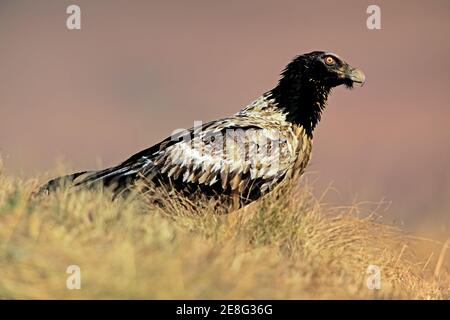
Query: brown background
[{"x": 139, "y": 69}]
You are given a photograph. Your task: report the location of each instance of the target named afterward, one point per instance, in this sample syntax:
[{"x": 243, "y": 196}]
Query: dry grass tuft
[{"x": 287, "y": 246}]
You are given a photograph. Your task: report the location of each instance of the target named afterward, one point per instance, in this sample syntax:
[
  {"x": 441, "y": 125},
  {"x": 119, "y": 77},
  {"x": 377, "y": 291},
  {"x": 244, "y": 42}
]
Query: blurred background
[{"x": 139, "y": 69}]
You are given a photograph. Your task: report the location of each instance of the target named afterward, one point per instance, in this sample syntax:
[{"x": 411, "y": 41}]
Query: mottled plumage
[{"x": 245, "y": 155}]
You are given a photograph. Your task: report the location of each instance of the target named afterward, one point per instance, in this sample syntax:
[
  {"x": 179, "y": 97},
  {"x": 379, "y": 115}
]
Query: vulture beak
[{"x": 355, "y": 75}]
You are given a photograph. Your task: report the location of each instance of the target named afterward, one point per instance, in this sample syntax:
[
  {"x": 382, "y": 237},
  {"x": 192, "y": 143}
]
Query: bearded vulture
[{"x": 243, "y": 156}]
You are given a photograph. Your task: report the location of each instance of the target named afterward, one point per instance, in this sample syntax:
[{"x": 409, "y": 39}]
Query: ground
[{"x": 289, "y": 245}]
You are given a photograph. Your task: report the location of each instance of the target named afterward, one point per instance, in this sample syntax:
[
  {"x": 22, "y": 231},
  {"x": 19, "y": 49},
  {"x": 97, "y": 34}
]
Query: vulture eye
[{"x": 329, "y": 60}]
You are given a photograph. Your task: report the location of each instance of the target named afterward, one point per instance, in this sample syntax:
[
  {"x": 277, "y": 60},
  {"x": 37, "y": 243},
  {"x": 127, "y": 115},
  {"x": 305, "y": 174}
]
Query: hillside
[{"x": 287, "y": 246}]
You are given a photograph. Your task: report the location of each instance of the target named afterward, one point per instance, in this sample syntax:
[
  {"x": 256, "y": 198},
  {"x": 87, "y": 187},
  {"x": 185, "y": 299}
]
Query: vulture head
[{"x": 307, "y": 81}]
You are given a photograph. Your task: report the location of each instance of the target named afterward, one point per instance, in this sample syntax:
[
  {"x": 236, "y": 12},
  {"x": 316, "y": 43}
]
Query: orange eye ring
[{"x": 329, "y": 61}]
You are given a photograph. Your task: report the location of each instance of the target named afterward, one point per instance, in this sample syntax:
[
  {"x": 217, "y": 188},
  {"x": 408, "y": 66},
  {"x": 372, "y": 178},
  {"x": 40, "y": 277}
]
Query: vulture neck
[{"x": 301, "y": 99}]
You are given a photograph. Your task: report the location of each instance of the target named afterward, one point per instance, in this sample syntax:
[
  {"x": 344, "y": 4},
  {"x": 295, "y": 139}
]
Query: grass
[{"x": 287, "y": 246}]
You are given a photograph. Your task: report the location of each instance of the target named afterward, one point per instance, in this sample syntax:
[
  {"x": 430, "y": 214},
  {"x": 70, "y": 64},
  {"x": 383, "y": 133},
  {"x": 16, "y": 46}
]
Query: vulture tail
[
  {"x": 119, "y": 176},
  {"x": 58, "y": 182}
]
